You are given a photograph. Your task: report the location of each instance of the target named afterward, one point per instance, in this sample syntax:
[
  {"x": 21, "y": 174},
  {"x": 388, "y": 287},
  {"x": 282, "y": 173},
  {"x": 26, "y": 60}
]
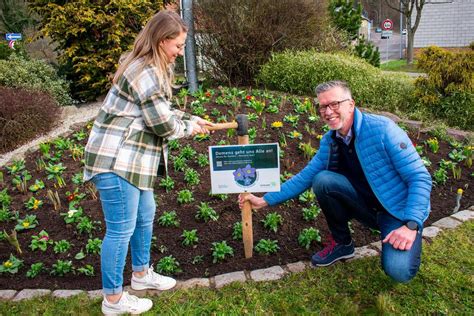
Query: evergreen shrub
[
  {"x": 448, "y": 90},
  {"x": 91, "y": 36},
  {"x": 24, "y": 115},
  {"x": 300, "y": 72},
  {"x": 34, "y": 75}
]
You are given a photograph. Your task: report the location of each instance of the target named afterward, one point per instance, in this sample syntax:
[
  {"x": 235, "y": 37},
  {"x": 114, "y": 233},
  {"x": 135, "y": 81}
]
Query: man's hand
[
  {"x": 255, "y": 201},
  {"x": 401, "y": 238},
  {"x": 204, "y": 124}
]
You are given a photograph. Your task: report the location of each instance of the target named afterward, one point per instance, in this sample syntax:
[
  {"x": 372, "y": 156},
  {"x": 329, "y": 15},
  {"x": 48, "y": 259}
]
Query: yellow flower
[
  {"x": 296, "y": 134},
  {"x": 26, "y": 224},
  {"x": 460, "y": 191},
  {"x": 277, "y": 124},
  {"x": 7, "y": 264},
  {"x": 319, "y": 136},
  {"x": 36, "y": 204}
]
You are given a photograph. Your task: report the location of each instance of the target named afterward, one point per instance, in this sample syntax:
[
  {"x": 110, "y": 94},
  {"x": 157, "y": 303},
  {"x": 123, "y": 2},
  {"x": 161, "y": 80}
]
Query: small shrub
[
  {"x": 267, "y": 246},
  {"x": 35, "y": 269},
  {"x": 190, "y": 237},
  {"x": 169, "y": 219},
  {"x": 206, "y": 213},
  {"x": 23, "y": 116},
  {"x": 307, "y": 236},
  {"x": 272, "y": 221},
  {"x": 300, "y": 72},
  {"x": 237, "y": 231},
  {"x": 35, "y": 75}
]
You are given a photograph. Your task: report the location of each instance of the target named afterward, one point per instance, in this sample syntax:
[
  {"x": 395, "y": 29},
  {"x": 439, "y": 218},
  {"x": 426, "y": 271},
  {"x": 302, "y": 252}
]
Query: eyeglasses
[{"x": 333, "y": 105}]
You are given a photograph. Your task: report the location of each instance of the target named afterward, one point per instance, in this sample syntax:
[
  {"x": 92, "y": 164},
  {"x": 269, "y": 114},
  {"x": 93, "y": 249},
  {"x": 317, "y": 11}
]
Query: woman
[{"x": 127, "y": 149}]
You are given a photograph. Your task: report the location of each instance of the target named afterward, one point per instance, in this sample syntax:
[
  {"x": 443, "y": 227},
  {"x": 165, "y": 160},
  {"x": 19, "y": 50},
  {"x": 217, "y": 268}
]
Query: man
[{"x": 368, "y": 169}]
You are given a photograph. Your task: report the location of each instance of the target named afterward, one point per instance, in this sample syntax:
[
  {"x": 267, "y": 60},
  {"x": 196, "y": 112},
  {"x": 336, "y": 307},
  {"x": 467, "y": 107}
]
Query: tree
[
  {"x": 14, "y": 16},
  {"x": 347, "y": 16},
  {"x": 406, "y": 8}
]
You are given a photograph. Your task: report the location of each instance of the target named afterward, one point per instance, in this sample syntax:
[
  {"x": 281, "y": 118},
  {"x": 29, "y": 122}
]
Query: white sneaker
[
  {"x": 127, "y": 304},
  {"x": 152, "y": 280}
]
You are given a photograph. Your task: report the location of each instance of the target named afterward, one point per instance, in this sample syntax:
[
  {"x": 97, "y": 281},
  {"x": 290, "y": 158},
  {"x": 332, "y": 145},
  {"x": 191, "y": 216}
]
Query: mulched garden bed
[{"x": 196, "y": 261}]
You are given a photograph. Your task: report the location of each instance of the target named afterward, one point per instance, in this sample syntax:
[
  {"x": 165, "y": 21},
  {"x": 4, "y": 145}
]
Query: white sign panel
[{"x": 245, "y": 168}]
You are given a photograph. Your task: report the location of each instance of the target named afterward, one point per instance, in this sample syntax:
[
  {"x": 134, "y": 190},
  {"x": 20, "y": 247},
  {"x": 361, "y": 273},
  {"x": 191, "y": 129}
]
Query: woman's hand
[{"x": 255, "y": 201}]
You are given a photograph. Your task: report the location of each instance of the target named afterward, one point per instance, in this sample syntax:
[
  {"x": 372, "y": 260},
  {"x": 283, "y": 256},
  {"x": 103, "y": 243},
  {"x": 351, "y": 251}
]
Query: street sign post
[
  {"x": 13, "y": 36},
  {"x": 387, "y": 26}
]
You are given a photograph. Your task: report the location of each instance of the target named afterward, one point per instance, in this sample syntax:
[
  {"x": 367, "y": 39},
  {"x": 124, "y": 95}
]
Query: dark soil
[{"x": 168, "y": 240}]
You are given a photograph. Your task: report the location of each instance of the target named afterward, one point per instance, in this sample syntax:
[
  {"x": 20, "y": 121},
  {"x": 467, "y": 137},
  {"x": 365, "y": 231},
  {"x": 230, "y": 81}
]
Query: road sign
[
  {"x": 386, "y": 34},
  {"x": 387, "y": 24},
  {"x": 245, "y": 168},
  {"x": 13, "y": 36}
]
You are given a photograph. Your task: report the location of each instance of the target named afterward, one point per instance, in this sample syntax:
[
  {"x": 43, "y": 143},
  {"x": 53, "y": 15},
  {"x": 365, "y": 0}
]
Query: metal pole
[
  {"x": 189, "y": 50},
  {"x": 401, "y": 30}
]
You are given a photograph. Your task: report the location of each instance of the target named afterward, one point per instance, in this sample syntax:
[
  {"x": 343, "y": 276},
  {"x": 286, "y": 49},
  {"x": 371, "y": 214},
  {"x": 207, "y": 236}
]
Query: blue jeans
[
  {"x": 129, "y": 214},
  {"x": 340, "y": 203}
]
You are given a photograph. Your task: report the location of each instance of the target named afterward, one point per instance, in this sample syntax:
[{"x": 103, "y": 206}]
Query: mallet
[{"x": 242, "y": 126}]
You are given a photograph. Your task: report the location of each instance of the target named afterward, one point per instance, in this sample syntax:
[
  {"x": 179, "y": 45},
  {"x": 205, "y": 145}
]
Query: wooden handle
[
  {"x": 247, "y": 230},
  {"x": 219, "y": 126}
]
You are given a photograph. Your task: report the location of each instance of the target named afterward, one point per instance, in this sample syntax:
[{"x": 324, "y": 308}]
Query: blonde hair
[{"x": 163, "y": 25}]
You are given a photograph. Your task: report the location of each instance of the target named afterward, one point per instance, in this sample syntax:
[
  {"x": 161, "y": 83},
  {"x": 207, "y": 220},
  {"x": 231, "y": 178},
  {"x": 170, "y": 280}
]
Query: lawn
[
  {"x": 444, "y": 286},
  {"x": 400, "y": 65}
]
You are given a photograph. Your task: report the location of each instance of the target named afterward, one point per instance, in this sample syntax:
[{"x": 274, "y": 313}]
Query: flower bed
[{"x": 58, "y": 219}]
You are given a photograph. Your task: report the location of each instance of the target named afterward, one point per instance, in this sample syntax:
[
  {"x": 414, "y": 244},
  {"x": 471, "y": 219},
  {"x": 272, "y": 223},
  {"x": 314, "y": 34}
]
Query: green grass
[
  {"x": 444, "y": 285},
  {"x": 399, "y": 65}
]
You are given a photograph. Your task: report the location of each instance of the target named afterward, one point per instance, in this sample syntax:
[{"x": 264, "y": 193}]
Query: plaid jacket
[{"x": 130, "y": 133}]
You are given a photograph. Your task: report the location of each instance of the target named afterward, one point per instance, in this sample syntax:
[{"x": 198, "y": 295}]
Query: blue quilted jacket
[{"x": 390, "y": 162}]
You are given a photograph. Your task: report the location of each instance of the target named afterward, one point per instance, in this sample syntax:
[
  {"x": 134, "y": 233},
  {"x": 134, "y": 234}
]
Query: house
[{"x": 446, "y": 23}]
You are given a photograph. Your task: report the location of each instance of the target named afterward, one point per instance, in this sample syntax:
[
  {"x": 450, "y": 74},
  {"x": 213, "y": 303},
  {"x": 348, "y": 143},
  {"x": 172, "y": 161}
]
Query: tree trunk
[{"x": 410, "y": 52}]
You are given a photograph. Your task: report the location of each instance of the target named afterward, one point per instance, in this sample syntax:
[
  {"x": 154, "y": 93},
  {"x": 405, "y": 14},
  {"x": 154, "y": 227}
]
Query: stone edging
[{"x": 267, "y": 274}]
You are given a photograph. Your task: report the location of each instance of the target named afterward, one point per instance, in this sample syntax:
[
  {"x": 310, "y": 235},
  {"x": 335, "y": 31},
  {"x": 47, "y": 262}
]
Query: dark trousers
[{"x": 340, "y": 203}]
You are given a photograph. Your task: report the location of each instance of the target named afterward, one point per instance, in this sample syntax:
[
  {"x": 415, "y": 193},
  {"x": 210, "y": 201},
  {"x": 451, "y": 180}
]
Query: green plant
[
  {"x": 237, "y": 231},
  {"x": 202, "y": 136},
  {"x": 267, "y": 246},
  {"x": 457, "y": 155},
  {"x": 310, "y": 213},
  {"x": 307, "y": 196},
  {"x": 187, "y": 152},
  {"x": 368, "y": 51},
  {"x": 28, "y": 222},
  {"x": 33, "y": 203},
  {"x": 37, "y": 186},
  {"x": 55, "y": 171},
  {"x": 91, "y": 36},
  {"x": 190, "y": 237},
  {"x": 11, "y": 265},
  {"x": 87, "y": 270},
  {"x": 16, "y": 166},
  {"x": 308, "y": 150},
  {"x": 36, "y": 75},
  {"x": 307, "y": 236},
  {"x": 292, "y": 119},
  {"x": 61, "y": 246},
  {"x": 185, "y": 196},
  {"x": 174, "y": 143},
  {"x": 346, "y": 15},
  {"x": 197, "y": 259},
  {"x": 5, "y": 198},
  {"x": 169, "y": 219},
  {"x": 77, "y": 178},
  {"x": 35, "y": 270},
  {"x": 202, "y": 160},
  {"x": 72, "y": 216},
  {"x": 220, "y": 250},
  {"x": 272, "y": 220},
  {"x": 191, "y": 177},
  {"x": 62, "y": 267},
  {"x": 440, "y": 176},
  {"x": 93, "y": 246},
  {"x": 167, "y": 183},
  {"x": 5, "y": 214},
  {"x": 21, "y": 181},
  {"x": 219, "y": 196},
  {"x": 80, "y": 255},
  {"x": 86, "y": 225},
  {"x": 206, "y": 213},
  {"x": 168, "y": 265},
  {"x": 40, "y": 241},
  {"x": 179, "y": 163},
  {"x": 433, "y": 144}
]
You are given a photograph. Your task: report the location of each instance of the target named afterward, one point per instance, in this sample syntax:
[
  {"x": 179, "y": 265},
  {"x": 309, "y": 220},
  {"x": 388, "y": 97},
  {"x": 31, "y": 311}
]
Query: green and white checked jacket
[{"x": 131, "y": 131}]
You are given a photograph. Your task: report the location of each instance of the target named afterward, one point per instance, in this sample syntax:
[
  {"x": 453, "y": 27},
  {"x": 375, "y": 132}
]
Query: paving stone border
[{"x": 267, "y": 274}]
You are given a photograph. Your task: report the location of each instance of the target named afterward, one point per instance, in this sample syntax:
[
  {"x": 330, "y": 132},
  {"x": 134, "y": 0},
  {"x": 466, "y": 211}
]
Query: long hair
[{"x": 163, "y": 25}]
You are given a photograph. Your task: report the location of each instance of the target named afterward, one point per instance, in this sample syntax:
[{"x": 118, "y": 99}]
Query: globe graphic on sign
[{"x": 246, "y": 176}]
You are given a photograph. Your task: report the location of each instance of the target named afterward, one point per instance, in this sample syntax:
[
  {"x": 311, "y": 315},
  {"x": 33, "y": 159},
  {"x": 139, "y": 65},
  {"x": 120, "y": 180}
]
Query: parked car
[
  {"x": 378, "y": 30},
  {"x": 404, "y": 32}
]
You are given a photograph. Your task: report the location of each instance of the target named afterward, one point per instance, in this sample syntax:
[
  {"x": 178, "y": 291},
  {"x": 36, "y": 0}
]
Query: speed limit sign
[{"x": 387, "y": 24}]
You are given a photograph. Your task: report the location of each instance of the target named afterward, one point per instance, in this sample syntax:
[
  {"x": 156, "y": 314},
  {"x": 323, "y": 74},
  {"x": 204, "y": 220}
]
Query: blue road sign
[{"x": 13, "y": 36}]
